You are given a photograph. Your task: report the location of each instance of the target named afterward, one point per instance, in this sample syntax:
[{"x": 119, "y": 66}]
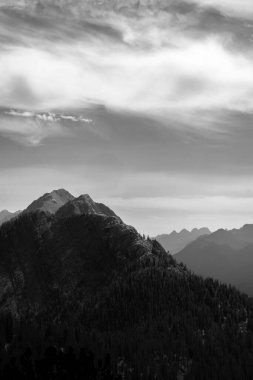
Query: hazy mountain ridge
[
  {"x": 225, "y": 254},
  {"x": 235, "y": 238},
  {"x": 176, "y": 241},
  {"x": 6, "y": 215}
]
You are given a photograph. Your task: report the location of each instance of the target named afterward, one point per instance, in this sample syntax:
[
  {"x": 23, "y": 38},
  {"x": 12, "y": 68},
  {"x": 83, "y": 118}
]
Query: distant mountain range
[
  {"x": 224, "y": 255},
  {"x": 176, "y": 241},
  {"x": 6, "y": 215},
  {"x": 74, "y": 278}
]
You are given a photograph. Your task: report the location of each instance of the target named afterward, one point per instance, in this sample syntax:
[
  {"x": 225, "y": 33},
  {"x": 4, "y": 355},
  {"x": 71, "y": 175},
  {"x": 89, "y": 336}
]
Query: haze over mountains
[
  {"x": 176, "y": 241},
  {"x": 226, "y": 255},
  {"x": 6, "y": 215},
  {"x": 76, "y": 280}
]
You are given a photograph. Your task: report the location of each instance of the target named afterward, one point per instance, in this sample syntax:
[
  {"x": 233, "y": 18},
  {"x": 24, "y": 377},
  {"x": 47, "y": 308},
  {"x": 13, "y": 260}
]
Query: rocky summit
[{"x": 50, "y": 202}]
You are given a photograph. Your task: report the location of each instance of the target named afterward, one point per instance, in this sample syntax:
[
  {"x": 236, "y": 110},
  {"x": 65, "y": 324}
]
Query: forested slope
[{"x": 86, "y": 295}]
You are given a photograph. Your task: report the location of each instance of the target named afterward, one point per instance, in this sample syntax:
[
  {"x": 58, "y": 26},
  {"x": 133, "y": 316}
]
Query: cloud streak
[
  {"x": 152, "y": 68},
  {"x": 136, "y": 81},
  {"x": 30, "y": 131},
  {"x": 48, "y": 116},
  {"x": 28, "y": 127},
  {"x": 238, "y": 8}
]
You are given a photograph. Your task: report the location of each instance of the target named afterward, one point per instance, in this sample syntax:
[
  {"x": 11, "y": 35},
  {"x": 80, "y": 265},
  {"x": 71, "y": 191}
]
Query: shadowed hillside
[
  {"x": 83, "y": 292},
  {"x": 224, "y": 255}
]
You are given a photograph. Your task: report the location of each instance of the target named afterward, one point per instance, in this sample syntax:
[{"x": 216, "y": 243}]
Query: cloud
[
  {"x": 156, "y": 216},
  {"x": 157, "y": 66},
  {"x": 76, "y": 118},
  {"x": 237, "y": 8},
  {"x": 48, "y": 116},
  {"x": 29, "y": 131},
  {"x": 95, "y": 6},
  {"x": 19, "y": 113},
  {"x": 28, "y": 127},
  {"x": 210, "y": 205},
  {"x": 121, "y": 77}
]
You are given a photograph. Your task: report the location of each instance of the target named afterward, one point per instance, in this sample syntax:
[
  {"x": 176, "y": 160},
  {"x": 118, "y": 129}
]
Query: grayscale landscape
[{"x": 126, "y": 201}]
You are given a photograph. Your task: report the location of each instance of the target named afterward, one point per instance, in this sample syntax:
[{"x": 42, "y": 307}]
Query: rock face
[
  {"x": 50, "y": 202},
  {"x": 176, "y": 241},
  {"x": 224, "y": 255},
  {"x": 83, "y": 205}
]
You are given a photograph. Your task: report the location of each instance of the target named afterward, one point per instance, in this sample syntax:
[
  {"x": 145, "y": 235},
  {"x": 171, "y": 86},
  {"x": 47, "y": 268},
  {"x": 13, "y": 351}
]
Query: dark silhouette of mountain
[
  {"x": 50, "y": 202},
  {"x": 84, "y": 242},
  {"x": 224, "y": 255},
  {"x": 83, "y": 295},
  {"x": 176, "y": 241},
  {"x": 6, "y": 215}
]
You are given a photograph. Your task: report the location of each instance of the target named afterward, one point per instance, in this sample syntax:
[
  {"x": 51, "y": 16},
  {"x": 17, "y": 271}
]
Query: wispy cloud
[
  {"x": 29, "y": 127},
  {"x": 42, "y": 116},
  {"x": 237, "y": 8},
  {"x": 48, "y": 116},
  {"x": 30, "y": 131},
  {"x": 154, "y": 68}
]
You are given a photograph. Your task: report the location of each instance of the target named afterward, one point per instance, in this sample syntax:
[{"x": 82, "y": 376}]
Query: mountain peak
[
  {"x": 84, "y": 204},
  {"x": 61, "y": 192},
  {"x": 50, "y": 202}
]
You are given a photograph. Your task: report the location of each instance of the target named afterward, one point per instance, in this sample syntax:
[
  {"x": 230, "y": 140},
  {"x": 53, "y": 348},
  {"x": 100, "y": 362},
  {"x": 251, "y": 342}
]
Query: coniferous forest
[{"x": 87, "y": 297}]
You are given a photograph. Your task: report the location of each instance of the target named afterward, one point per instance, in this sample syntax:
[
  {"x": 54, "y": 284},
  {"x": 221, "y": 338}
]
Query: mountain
[
  {"x": 50, "y": 202},
  {"x": 224, "y": 255},
  {"x": 84, "y": 205},
  {"x": 5, "y": 216},
  {"x": 236, "y": 238},
  {"x": 83, "y": 295},
  {"x": 176, "y": 241}
]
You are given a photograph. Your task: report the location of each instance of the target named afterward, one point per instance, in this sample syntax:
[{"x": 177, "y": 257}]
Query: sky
[{"x": 146, "y": 105}]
